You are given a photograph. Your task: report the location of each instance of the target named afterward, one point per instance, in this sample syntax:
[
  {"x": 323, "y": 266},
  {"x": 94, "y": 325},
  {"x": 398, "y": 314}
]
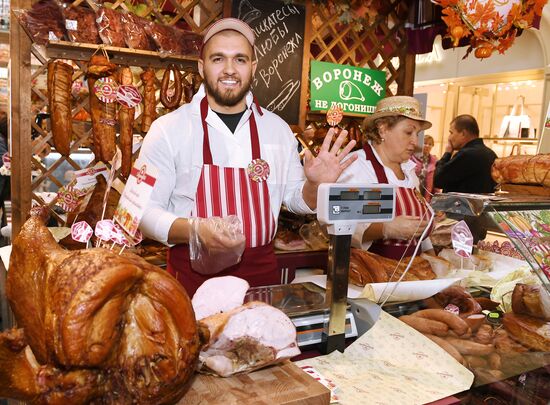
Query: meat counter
[{"x": 513, "y": 225}]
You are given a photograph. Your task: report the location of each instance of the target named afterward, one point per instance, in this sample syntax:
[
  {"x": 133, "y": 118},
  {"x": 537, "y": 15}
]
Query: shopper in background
[
  {"x": 392, "y": 135},
  {"x": 425, "y": 168},
  {"x": 205, "y": 152},
  {"x": 466, "y": 165}
]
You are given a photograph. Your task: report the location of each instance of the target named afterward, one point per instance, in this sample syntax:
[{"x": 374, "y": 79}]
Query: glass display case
[{"x": 518, "y": 370}]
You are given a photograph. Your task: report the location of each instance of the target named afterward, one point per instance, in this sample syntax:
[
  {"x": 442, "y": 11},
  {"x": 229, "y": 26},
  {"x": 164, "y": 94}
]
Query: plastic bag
[
  {"x": 43, "y": 22},
  {"x": 109, "y": 24},
  {"x": 314, "y": 236},
  {"x": 135, "y": 35},
  {"x": 215, "y": 243},
  {"x": 171, "y": 40},
  {"x": 80, "y": 25}
]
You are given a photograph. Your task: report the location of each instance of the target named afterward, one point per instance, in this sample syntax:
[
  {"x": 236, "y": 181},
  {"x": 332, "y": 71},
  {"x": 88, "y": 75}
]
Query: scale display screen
[
  {"x": 349, "y": 195},
  {"x": 371, "y": 209},
  {"x": 372, "y": 195},
  {"x": 351, "y": 204}
]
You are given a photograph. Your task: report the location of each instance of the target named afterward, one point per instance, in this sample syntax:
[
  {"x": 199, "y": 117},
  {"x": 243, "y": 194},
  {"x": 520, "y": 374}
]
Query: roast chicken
[{"x": 96, "y": 327}]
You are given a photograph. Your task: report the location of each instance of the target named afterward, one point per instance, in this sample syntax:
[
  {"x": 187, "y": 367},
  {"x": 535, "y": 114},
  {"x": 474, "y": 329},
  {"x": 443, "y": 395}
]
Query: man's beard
[{"x": 228, "y": 98}]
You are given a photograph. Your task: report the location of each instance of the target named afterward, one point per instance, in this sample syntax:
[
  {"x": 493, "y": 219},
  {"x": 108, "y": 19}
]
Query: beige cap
[
  {"x": 229, "y": 24},
  {"x": 406, "y": 106}
]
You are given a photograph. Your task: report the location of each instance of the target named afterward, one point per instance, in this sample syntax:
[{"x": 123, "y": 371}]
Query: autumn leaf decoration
[{"x": 482, "y": 22}]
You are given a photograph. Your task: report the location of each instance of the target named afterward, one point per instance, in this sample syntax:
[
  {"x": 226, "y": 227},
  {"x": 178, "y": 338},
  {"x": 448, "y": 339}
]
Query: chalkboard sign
[{"x": 279, "y": 27}]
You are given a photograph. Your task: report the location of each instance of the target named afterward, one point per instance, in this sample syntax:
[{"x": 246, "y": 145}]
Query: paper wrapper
[
  {"x": 406, "y": 290},
  {"x": 392, "y": 364},
  {"x": 377, "y": 292}
]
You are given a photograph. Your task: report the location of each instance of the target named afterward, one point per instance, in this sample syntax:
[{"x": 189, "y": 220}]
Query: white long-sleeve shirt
[
  {"x": 362, "y": 171},
  {"x": 174, "y": 146}
]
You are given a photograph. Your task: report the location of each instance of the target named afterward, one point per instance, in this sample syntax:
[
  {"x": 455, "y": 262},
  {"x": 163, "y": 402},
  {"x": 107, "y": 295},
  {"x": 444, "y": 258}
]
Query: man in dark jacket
[{"x": 469, "y": 169}]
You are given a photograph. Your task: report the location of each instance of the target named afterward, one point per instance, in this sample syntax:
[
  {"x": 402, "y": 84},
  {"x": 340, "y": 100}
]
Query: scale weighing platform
[{"x": 327, "y": 317}]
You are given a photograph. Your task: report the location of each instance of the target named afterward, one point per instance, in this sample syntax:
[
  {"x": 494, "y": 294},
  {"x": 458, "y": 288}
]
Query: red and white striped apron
[
  {"x": 407, "y": 203},
  {"x": 224, "y": 191}
]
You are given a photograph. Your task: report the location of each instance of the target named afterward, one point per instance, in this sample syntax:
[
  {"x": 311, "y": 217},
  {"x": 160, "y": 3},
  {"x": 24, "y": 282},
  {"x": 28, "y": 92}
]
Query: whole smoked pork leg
[{"x": 114, "y": 315}]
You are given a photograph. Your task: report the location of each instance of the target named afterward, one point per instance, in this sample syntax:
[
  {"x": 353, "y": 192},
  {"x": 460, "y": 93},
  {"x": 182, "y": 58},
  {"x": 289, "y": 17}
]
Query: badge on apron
[{"x": 258, "y": 170}]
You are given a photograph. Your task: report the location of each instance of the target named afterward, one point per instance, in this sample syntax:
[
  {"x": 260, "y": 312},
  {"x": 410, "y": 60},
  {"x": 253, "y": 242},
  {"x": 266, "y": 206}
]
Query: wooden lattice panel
[
  {"x": 31, "y": 95},
  {"x": 381, "y": 46}
]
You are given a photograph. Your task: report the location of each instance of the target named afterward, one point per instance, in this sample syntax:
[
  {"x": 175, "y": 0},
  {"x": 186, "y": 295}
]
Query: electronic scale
[{"x": 326, "y": 316}]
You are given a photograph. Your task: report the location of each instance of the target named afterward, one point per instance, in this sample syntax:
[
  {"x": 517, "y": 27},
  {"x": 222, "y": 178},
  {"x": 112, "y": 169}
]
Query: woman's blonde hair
[{"x": 371, "y": 130}]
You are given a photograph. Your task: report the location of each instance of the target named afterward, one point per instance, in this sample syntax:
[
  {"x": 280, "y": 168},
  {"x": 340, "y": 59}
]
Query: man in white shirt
[{"x": 222, "y": 154}]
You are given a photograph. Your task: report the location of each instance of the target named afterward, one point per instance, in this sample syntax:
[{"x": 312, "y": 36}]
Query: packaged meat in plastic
[
  {"x": 80, "y": 25},
  {"x": 163, "y": 36},
  {"x": 110, "y": 26},
  {"x": 44, "y": 22},
  {"x": 172, "y": 40},
  {"x": 215, "y": 243},
  {"x": 135, "y": 35},
  {"x": 189, "y": 42},
  {"x": 314, "y": 236}
]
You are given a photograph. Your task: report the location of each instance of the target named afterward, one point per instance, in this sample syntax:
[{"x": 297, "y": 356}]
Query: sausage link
[
  {"x": 425, "y": 325},
  {"x": 171, "y": 101},
  {"x": 449, "y": 348},
  {"x": 469, "y": 347},
  {"x": 458, "y": 325}
]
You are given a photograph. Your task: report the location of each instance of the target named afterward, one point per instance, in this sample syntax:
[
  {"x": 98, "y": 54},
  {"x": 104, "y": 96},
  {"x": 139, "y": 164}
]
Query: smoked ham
[
  {"x": 242, "y": 338},
  {"x": 60, "y": 80},
  {"x": 522, "y": 169},
  {"x": 103, "y": 114},
  {"x": 219, "y": 294},
  {"x": 149, "y": 100},
  {"x": 533, "y": 300},
  {"x": 529, "y": 331},
  {"x": 100, "y": 325},
  {"x": 247, "y": 338},
  {"x": 126, "y": 124},
  {"x": 366, "y": 267}
]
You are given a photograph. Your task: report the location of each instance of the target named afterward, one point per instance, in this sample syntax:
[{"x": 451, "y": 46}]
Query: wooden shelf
[
  {"x": 120, "y": 56},
  {"x": 511, "y": 140},
  {"x": 4, "y": 37}
]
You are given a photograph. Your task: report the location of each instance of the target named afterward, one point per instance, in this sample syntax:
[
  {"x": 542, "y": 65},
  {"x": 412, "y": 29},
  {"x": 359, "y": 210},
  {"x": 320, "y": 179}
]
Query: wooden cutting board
[{"x": 281, "y": 384}]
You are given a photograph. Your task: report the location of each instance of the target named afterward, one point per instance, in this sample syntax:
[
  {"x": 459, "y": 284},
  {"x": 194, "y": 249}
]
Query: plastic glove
[
  {"x": 404, "y": 227},
  {"x": 215, "y": 243}
]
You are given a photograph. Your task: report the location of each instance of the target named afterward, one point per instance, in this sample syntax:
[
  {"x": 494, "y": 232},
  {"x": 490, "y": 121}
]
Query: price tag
[
  {"x": 71, "y": 25},
  {"x": 68, "y": 199},
  {"x": 334, "y": 115},
  {"x": 81, "y": 231},
  {"x": 105, "y": 89},
  {"x": 135, "y": 197},
  {"x": 104, "y": 229},
  {"x": 129, "y": 96},
  {"x": 6, "y": 160},
  {"x": 86, "y": 178},
  {"x": 463, "y": 241}
]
